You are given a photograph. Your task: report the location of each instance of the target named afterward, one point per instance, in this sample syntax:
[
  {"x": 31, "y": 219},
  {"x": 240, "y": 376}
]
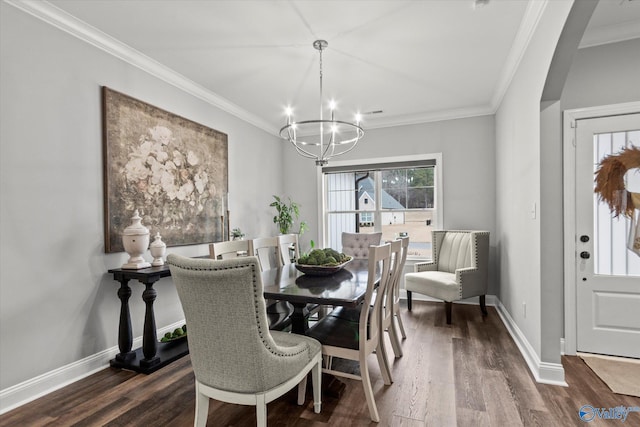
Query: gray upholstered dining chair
[
  {"x": 357, "y": 244},
  {"x": 235, "y": 357},
  {"x": 278, "y": 312},
  {"x": 459, "y": 269},
  {"x": 356, "y": 339}
]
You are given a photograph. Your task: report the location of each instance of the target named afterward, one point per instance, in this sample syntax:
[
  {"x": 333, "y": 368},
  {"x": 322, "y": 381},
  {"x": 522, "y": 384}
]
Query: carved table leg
[
  {"x": 149, "y": 338},
  {"x": 125, "y": 335},
  {"x": 299, "y": 322}
]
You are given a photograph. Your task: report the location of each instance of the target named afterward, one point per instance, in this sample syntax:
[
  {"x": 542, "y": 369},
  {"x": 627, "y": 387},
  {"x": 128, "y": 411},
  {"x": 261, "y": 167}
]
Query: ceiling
[{"x": 415, "y": 61}]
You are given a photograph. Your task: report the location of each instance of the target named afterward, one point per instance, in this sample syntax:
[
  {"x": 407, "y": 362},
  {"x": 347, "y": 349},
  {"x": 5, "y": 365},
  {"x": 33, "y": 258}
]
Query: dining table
[{"x": 346, "y": 287}]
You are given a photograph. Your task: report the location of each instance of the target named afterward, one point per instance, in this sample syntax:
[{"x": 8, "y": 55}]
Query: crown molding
[
  {"x": 606, "y": 34},
  {"x": 529, "y": 23},
  {"x": 62, "y": 20},
  {"x": 435, "y": 116}
]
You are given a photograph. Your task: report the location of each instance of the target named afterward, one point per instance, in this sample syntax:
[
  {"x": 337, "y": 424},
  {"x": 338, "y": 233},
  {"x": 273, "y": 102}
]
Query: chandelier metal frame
[{"x": 328, "y": 133}]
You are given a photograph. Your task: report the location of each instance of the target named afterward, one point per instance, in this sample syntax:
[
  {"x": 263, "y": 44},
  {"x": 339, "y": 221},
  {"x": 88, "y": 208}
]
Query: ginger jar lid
[{"x": 136, "y": 228}]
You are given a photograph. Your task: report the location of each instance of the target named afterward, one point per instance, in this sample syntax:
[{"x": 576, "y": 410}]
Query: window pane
[
  {"x": 403, "y": 204},
  {"x": 337, "y": 223},
  {"x": 366, "y": 191},
  {"x": 610, "y": 234},
  {"x": 340, "y": 191},
  {"x": 416, "y": 224}
]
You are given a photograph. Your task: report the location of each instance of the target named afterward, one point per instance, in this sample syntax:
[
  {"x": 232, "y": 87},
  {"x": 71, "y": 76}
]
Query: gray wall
[
  {"x": 468, "y": 154},
  {"x": 603, "y": 75},
  {"x": 57, "y": 304},
  {"x": 520, "y": 169}
]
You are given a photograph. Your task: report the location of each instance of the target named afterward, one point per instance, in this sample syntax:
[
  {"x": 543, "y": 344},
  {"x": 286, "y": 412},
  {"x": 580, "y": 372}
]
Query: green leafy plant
[
  {"x": 286, "y": 215},
  {"x": 237, "y": 234}
]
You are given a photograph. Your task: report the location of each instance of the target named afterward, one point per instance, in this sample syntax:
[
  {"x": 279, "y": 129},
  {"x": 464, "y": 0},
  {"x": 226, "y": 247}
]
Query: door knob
[
  {"x": 584, "y": 238},
  {"x": 585, "y": 255}
]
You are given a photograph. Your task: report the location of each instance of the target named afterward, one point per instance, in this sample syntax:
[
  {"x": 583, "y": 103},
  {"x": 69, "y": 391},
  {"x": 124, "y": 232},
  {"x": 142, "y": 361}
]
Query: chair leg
[
  {"x": 409, "y": 300},
  {"x": 383, "y": 361},
  {"x": 398, "y": 319},
  {"x": 261, "y": 411},
  {"x": 316, "y": 378},
  {"x": 202, "y": 408},
  {"x": 368, "y": 391},
  {"x": 447, "y": 308},
  {"x": 393, "y": 337},
  {"x": 483, "y": 305},
  {"x": 302, "y": 391}
]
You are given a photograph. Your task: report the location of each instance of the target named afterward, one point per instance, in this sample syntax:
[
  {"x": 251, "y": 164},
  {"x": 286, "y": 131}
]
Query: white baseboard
[
  {"x": 26, "y": 391},
  {"x": 543, "y": 372}
]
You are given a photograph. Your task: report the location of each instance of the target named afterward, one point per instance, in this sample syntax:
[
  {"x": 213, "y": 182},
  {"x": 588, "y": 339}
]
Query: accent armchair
[
  {"x": 459, "y": 269},
  {"x": 235, "y": 357}
]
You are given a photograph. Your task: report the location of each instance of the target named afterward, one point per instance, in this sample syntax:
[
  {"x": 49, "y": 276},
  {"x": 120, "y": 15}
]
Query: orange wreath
[{"x": 610, "y": 182}]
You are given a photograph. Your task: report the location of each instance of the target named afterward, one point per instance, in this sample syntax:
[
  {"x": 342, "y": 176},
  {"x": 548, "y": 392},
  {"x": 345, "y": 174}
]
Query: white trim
[
  {"x": 543, "y": 372},
  {"x": 26, "y": 391},
  {"x": 569, "y": 212},
  {"x": 433, "y": 116},
  {"x": 527, "y": 28},
  {"x": 62, "y": 20}
]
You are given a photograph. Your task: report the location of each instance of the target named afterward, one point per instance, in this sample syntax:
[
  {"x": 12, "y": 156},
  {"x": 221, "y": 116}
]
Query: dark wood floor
[{"x": 466, "y": 374}]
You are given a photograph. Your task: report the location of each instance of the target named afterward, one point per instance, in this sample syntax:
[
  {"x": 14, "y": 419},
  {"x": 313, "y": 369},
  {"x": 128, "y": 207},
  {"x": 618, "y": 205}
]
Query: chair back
[
  {"x": 452, "y": 250},
  {"x": 285, "y": 242},
  {"x": 230, "y": 249},
  {"x": 400, "y": 270},
  {"x": 394, "y": 277},
  {"x": 357, "y": 244},
  {"x": 266, "y": 249},
  {"x": 226, "y": 320},
  {"x": 460, "y": 249},
  {"x": 379, "y": 263}
]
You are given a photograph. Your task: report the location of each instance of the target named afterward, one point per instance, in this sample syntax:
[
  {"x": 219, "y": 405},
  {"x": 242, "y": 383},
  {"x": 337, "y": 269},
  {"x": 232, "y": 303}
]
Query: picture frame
[{"x": 172, "y": 170}]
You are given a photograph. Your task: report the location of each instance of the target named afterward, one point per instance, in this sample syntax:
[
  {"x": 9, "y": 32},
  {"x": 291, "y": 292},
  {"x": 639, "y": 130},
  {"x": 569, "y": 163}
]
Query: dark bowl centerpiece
[{"x": 322, "y": 262}]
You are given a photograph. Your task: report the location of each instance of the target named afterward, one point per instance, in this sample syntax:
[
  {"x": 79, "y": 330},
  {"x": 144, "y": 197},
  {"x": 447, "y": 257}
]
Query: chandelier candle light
[{"x": 322, "y": 139}]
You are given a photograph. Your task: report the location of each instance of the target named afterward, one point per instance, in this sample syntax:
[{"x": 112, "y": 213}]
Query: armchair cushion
[{"x": 436, "y": 284}]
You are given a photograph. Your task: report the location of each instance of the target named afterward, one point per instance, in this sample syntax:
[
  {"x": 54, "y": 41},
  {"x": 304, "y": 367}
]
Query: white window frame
[{"x": 438, "y": 185}]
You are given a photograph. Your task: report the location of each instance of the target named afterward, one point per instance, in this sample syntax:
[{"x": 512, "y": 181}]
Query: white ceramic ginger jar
[
  {"x": 136, "y": 241},
  {"x": 157, "y": 249}
]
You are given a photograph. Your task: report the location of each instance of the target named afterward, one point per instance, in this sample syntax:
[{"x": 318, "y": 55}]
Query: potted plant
[
  {"x": 286, "y": 215},
  {"x": 237, "y": 234}
]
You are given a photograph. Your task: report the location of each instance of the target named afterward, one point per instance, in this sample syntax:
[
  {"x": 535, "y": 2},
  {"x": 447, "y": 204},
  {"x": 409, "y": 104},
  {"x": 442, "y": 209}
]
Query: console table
[{"x": 152, "y": 355}]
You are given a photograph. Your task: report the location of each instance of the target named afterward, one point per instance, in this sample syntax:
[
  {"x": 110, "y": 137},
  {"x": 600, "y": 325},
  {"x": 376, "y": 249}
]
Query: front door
[{"x": 607, "y": 273}]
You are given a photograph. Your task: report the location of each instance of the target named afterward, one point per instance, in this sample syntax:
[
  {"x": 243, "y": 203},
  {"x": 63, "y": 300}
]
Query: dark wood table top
[{"x": 347, "y": 287}]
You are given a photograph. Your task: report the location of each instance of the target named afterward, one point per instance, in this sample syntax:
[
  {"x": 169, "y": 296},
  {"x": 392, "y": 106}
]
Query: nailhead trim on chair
[{"x": 255, "y": 305}]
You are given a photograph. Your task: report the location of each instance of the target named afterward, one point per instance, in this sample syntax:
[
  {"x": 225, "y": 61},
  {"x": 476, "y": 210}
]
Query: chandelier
[{"x": 322, "y": 139}]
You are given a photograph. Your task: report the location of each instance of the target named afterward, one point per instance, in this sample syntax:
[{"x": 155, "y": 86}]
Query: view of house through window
[{"x": 395, "y": 200}]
